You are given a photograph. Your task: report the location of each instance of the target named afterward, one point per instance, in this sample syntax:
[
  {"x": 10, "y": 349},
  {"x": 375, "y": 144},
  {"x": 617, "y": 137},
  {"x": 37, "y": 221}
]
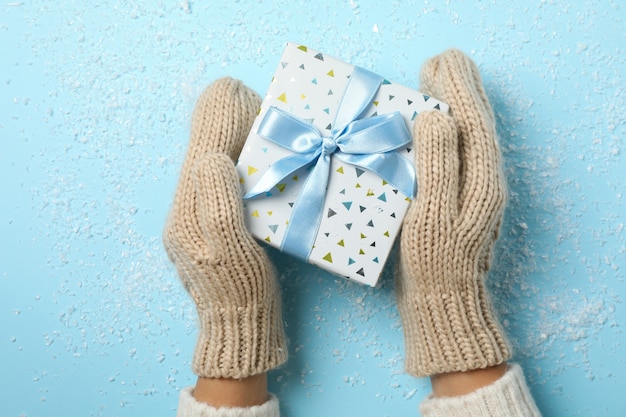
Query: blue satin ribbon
[{"x": 368, "y": 143}]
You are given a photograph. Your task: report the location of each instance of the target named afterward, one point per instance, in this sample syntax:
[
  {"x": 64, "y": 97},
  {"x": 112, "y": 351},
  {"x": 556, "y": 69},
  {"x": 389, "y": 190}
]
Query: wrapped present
[{"x": 327, "y": 169}]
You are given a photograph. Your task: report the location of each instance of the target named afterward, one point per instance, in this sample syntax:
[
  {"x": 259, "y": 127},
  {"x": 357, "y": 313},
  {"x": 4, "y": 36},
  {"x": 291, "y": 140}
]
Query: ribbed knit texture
[
  {"x": 449, "y": 230},
  {"x": 507, "y": 397},
  {"x": 189, "y": 407},
  {"x": 225, "y": 271}
]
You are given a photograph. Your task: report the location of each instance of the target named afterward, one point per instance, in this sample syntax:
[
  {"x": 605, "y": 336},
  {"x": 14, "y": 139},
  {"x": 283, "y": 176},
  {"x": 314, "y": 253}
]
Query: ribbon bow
[{"x": 368, "y": 143}]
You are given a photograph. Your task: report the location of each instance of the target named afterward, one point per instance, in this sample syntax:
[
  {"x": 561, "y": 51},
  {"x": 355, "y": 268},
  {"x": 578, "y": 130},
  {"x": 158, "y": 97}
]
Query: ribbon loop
[{"x": 368, "y": 143}]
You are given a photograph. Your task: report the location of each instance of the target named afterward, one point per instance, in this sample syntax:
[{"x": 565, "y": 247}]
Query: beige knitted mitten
[
  {"x": 225, "y": 271},
  {"x": 449, "y": 230}
]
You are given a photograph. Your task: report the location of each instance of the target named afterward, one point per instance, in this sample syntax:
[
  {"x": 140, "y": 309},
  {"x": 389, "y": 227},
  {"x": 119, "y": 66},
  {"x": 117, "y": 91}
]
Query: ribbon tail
[
  {"x": 307, "y": 213},
  {"x": 390, "y": 166},
  {"x": 278, "y": 171}
]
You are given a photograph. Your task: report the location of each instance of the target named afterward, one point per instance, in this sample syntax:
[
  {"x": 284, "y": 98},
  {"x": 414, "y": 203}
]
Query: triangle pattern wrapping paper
[{"x": 362, "y": 213}]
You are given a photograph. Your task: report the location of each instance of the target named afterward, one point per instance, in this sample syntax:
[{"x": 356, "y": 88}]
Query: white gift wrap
[{"x": 362, "y": 213}]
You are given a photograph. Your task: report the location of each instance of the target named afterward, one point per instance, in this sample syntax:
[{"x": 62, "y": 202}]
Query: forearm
[
  {"x": 460, "y": 383},
  {"x": 507, "y": 396},
  {"x": 225, "y": 392}
]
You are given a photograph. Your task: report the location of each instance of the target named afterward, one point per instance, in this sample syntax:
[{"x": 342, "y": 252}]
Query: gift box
[{"x": 327, "y": 169}]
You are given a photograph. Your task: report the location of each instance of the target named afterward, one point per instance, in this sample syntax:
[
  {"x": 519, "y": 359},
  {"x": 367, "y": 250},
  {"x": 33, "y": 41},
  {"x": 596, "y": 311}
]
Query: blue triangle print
[{"x": 351, "y": 261}]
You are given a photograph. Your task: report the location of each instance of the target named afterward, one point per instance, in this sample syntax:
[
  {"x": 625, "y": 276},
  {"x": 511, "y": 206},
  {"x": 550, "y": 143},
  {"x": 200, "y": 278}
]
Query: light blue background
[{"x": 95, "y": 103}]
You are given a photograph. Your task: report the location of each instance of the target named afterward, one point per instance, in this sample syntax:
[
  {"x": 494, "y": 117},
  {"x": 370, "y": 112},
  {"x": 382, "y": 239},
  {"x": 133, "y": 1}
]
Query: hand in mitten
[
  {"x": 449, "y": 231},
  {"x": 225, "y": 271}
]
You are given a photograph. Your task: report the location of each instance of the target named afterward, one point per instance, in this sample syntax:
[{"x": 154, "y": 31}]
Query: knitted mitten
[
  {"x": 225, "y": 271},
  {"x": 449, "y": 230}
]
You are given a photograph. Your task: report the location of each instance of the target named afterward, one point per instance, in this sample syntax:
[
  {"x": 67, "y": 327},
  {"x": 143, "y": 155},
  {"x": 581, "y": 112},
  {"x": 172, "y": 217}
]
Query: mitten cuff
[
  {"x": 509, "y": 396},
  {"x": 237, "y": 342},
  {"x": 451, "y": 331}
]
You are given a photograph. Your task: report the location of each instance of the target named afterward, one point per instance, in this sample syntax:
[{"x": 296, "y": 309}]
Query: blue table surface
[{"x": 95, "y": 104}]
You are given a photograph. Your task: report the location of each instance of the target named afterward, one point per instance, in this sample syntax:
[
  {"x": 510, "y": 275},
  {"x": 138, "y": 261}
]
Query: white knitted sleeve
[
  {"x": 189, "y": 407},
  {"x": 507, "y": 397}
]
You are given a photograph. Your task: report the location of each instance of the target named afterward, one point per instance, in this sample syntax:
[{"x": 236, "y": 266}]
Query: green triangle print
[
  {"x": 303, "y": 48},
  {"x": 328, "y": 257}
]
